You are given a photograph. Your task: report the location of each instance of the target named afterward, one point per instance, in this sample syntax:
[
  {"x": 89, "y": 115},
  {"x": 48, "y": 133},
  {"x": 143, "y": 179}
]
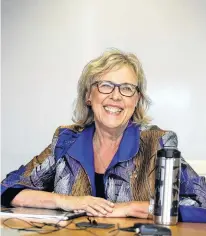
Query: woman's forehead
[{"x": 121, "y": 75}]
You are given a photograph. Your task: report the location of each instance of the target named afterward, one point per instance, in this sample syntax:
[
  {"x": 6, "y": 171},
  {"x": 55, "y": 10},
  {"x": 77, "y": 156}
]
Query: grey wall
[{"x": 46, "y": 43}]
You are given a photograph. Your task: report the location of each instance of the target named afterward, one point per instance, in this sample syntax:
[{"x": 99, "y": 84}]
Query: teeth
[{"x": 113, "y": 109}]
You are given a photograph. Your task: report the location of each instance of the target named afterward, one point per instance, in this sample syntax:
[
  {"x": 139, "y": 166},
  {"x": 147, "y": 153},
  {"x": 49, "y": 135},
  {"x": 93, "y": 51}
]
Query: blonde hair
[{"x": 110, "y": 59}]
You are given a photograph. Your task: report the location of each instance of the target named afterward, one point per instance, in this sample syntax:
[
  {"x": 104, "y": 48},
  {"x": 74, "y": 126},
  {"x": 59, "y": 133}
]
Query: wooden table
[{"x": 181, "y": 229}]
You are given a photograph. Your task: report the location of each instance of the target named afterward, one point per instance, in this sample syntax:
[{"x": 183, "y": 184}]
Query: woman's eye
[
  {"x": 127, "y": 88},
  {"x": 106, "y": 85}
]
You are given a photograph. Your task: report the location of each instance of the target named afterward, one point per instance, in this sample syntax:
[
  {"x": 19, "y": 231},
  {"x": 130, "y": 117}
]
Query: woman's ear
[{"x": 88, "y": 99}]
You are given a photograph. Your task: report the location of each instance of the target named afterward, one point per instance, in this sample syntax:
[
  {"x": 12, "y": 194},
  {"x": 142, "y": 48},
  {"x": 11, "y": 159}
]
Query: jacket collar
[{"x": 82, "y": 149}]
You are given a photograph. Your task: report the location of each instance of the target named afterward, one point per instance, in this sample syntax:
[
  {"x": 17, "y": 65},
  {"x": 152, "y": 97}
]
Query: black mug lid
[{"x": 169, "y": 153}]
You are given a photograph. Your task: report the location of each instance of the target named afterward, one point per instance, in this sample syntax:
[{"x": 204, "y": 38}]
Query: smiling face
[{"x": 114, "y": 110}]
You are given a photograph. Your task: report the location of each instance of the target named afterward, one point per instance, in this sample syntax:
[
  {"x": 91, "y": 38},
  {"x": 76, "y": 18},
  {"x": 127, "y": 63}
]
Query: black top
[
  {"x": 9, "y": 195},
  {"x": 99, "y": 184}
]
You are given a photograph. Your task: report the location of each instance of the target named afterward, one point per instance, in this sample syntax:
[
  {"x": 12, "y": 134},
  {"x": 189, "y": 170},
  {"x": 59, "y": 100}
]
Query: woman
[{"x": 104, "y": 163}]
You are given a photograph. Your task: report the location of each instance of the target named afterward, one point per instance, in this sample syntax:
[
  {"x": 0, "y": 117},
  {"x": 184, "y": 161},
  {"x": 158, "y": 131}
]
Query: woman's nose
[{"x": 116, "y": 94}]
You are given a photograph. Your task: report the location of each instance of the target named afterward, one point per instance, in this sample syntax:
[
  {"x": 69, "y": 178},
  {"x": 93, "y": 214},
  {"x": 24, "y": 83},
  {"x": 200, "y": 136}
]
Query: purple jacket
[{"x": 67, "y": 167}]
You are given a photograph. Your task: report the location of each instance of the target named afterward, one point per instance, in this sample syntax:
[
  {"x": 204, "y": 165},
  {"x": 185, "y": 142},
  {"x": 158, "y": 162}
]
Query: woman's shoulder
[
  {"x": 168, "y": 137},
  {"x": 68, "y": 129},
  {"x": 151, "y": 127}
]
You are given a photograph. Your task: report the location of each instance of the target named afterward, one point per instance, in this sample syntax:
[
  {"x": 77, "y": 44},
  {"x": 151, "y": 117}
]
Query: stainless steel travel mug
[{"x": 167, "y": 184}]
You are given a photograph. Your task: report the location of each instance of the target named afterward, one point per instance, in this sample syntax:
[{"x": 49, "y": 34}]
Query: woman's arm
[
  {"x": 190, "y": 183},
  {"x": 38, "y": 174},
  {"x": 35, "y": 198},
  {"x": 40, "y": 199},
  {"x": 139, "y": 209},
  {"x": 36, "y": 184}
]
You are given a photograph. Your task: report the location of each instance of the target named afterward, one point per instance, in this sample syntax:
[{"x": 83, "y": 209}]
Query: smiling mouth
[{"x": 113, "y": 110}]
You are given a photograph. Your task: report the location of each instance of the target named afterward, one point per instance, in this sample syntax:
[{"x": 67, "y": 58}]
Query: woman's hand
[
  {"x": 135, "y": 209},
  {"x": 94, "y": 206}
]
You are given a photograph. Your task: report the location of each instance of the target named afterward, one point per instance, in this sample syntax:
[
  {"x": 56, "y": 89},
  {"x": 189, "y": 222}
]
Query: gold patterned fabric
[{"x": 142, "y": 180}]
